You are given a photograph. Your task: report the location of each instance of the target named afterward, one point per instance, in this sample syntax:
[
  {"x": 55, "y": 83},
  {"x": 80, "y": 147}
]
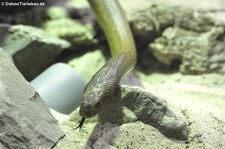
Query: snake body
[{"x": 104, "y": 83}]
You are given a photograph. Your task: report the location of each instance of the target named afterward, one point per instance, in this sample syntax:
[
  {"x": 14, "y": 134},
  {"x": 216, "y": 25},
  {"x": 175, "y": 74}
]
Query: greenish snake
[{"x": 104, "y": 83}]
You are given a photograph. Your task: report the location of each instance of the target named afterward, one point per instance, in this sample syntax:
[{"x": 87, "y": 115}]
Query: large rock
[
  {"x": 32, "y": 49},
  {"x": 25, "y": 120},
  {"x": 197, "y": 52},
  {"x": 3, "y": 30},
  {"x": 155, "y": 111},
  {"x": 155, "y": 18},
  {"x": 179, "y": 35}
]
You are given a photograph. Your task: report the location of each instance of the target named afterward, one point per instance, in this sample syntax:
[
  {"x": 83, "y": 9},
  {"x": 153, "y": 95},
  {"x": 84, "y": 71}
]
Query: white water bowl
[{"x": 61, "y": 87}]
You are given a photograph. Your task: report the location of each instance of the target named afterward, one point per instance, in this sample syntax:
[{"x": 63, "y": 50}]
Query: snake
[{"x": 111, "y": 18}]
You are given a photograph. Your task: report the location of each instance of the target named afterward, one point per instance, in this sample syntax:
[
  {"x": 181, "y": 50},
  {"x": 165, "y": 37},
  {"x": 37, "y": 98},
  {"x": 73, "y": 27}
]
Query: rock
[
  {"x": 216, "y": 5},
  {"x": 183, "y": 35},
  {"x": 56, "y": 13},
  {"x": 80, "y": 10},
  {"x": 198, "y": 52},
  {"x": 153, "y": 110},
  {"x": 3, "y": 31},
  {"x": 73, "y": 31},
  {"x": 32, "y": 49},
  {"x": 148, "y": 23},
  {"x": 79, "y": 4},
  {"x": 25, "y": 120},
  {"x": 196, "y": 20},
  {"x": 136, "y": 114},
  {"x": 147, "y": 108}
]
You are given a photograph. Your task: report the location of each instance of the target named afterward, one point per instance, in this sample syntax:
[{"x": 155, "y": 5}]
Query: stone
[
  {"x": 80, "y": 11},
  {"x": 56, "y": 13},
  {"x": 154, "y": 111},
  {"x": 147, "y": 108},
  {"x": 148, "y": 23},
  {"x": 61, "y": 25},
  {"x": 188, "y": 37},
  {"x": 197, "y": 52},
  {"x": 32, "y": 49},
  {"x": 3, "y": 31},
  {"x": 25, "y": 120}
]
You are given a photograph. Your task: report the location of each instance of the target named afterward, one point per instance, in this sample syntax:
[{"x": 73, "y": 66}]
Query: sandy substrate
[{"x": 200, "y": 100}]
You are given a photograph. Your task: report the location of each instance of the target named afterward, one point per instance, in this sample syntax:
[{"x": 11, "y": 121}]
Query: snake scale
[{"x": 104, "y": 83}]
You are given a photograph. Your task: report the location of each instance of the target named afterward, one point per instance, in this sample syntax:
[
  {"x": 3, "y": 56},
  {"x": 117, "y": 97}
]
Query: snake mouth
[
  {"x": 88, "y": 113},
  {"x": 88, "y": 110},
  {"x": 85, "y": 114}
]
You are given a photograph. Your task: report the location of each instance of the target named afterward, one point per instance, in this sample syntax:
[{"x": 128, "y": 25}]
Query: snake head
[{"x": 89, "y": 109}]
